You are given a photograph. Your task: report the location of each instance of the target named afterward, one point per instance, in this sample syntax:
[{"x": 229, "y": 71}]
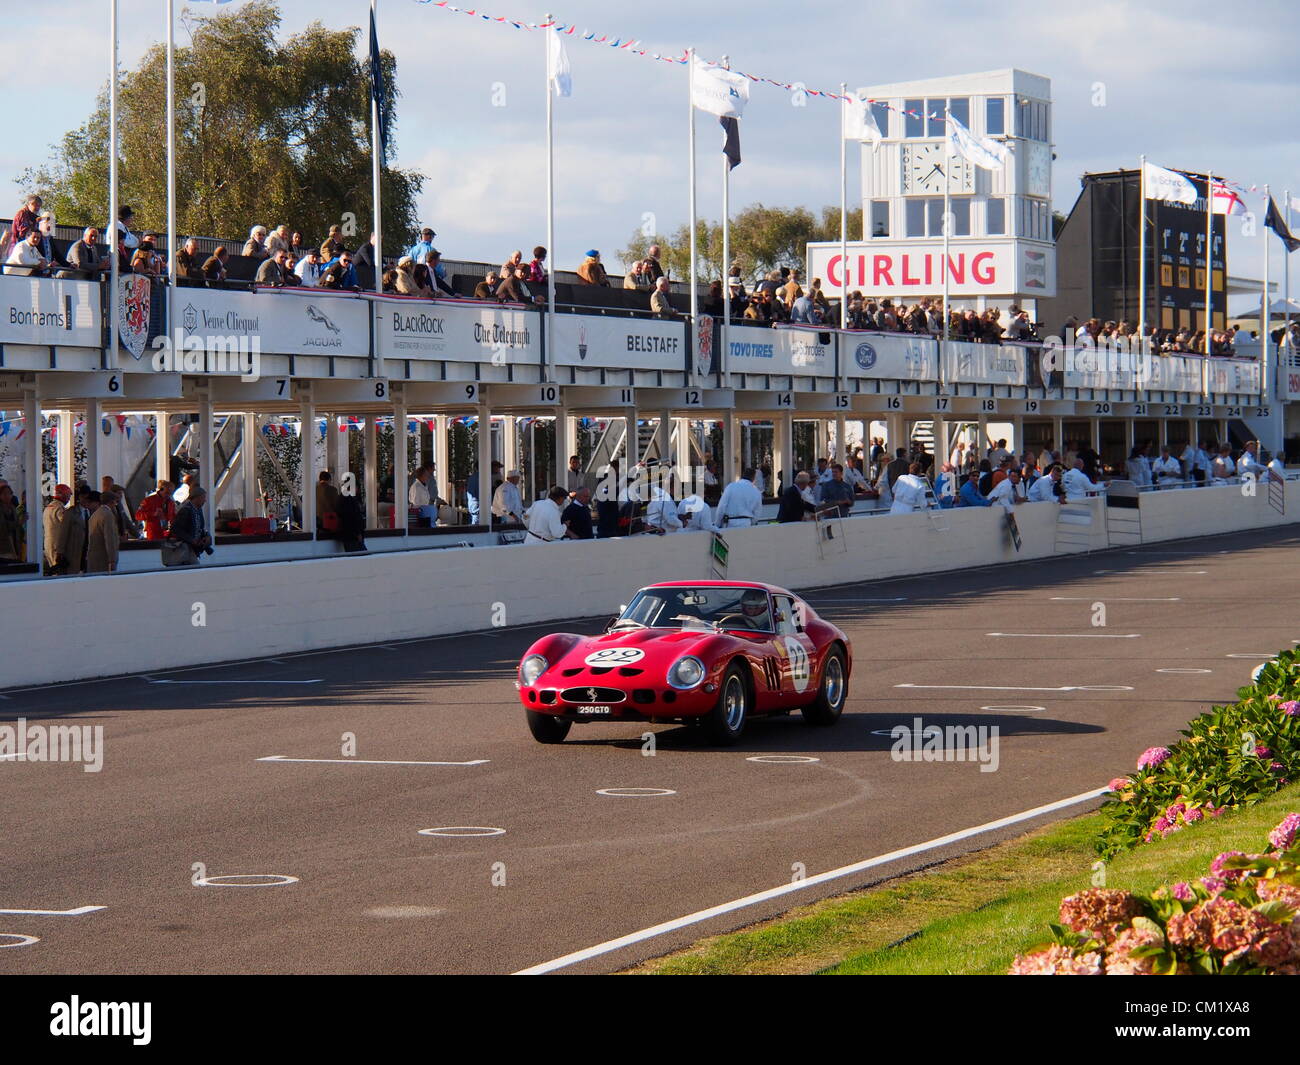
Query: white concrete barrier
[{"x": 69, "y": 629}]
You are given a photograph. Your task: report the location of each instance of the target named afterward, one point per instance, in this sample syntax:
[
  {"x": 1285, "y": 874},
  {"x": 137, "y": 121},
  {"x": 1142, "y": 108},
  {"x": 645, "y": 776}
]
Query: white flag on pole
[
  {"x": 558, "y": 62},
  {"x": 1167, "y": 185},
  {"x": 1295, "y": 204},
  {"x": 719, "y": 91},
  {"x": 1224, "y": 200},
  {"x": 982, "y": 151},
  {"x": 859, "y": 123}
]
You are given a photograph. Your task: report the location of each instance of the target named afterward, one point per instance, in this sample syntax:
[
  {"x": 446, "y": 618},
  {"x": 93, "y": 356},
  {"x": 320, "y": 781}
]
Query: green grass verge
[{"x": 971, "y": 915}]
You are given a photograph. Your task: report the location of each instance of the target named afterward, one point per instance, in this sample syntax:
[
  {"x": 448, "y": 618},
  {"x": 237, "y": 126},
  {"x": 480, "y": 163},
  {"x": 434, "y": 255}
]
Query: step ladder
[
  {"x": 1277, "y": 495},
  {"x": 1123, "y": 514},
  {"x": 1074, "y": 526}
]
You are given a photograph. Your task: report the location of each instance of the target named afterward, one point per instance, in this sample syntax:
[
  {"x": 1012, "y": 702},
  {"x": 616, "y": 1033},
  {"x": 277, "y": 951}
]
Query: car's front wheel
[
  {"x": 726, "y": 721},
  {"x": 547, "y": 728},
  {"x": 831, "y": 693}
]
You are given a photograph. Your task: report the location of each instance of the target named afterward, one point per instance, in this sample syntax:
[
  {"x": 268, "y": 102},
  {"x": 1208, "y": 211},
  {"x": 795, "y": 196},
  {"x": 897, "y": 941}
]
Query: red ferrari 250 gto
[{"x": 709, "y": 653}]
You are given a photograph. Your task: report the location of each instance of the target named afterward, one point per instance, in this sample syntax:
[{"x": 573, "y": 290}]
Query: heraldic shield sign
[
  {"x": 703, "y": 345},
  {"x": 133, "y": 313}
]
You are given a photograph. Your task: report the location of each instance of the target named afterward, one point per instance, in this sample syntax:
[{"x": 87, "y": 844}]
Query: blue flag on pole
[{"x": 377, "y": 88}]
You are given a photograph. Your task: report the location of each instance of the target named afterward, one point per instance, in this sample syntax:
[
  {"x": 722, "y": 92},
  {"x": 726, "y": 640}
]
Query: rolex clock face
[
  {"x": 923, "y": 169},
  {"x": 1038, "y": 169}
]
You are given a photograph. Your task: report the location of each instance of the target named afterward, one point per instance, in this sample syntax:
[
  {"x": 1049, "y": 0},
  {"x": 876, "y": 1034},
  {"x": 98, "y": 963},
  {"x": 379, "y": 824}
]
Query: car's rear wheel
[
  {"x": 547, "y": 728},
  {"x": 831, "y": 692},
  {"x": 726, "y": 721}
]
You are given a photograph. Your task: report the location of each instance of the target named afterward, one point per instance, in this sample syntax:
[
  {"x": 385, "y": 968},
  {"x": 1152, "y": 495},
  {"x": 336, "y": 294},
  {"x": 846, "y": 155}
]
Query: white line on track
[
  {"x": 1000, "y": 688},
  {"x": 1109, "y": 599},
  {"x": 866, "y": 599},
  {"x": 1180, "y": 670},
  {"x": 152, "y": 680},
  {"x": 364, "y": 761},
  {"x": 1073, "y": 635},
  {"x": 21, "y": 940},
  {"x": 800, "y": 885},
  {"x": 56, "y": 913}
]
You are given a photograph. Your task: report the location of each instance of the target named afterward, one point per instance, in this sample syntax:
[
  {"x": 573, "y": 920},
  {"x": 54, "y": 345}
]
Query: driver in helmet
[{"x": 753, "y": 608}]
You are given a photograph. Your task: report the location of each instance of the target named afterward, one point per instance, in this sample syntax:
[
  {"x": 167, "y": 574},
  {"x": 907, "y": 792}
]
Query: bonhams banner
[
  {"x": 408, "y": 328},
  {"x": 36, "y": 310},
  {"x": 612, "y": 343}
]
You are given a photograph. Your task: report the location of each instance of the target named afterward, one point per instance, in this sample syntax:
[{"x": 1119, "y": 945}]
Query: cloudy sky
[{"x": 1198, "y": 86}]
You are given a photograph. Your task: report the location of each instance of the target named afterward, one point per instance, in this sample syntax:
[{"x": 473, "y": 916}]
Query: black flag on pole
[
  {"x": 1274, "y": 221},
  {"x": 731, "y": 143},
  {"x": 377, "y": 87}
]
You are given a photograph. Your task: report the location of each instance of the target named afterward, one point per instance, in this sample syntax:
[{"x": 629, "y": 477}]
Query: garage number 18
[{"x": 615, "y": 656}]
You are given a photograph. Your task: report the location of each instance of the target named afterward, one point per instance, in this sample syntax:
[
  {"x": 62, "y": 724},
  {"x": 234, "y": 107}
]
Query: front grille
[
  {"x": 592, "y": 695},
  {"x": 629, "y": 671}
]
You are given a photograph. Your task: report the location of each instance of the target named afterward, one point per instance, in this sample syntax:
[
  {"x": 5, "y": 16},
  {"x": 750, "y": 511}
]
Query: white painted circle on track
[
  {"x": 20, "y": 940},
  {"x": 782, "y": 759},
  {"x": 1254, "y": 673},
  {"x": 1013, "y": 709},
  {"x": 228, "y": 880},
  {"x": 463, "y": 830},
  {"x": 1173, "y": 670},
  {"x": 635, "y": 793},
  {"x": 405, "y": 911}
]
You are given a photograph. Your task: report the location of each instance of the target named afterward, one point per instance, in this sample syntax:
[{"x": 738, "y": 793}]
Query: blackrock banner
[
  {"x": 636, "y": 343},
  {"x": 889, "y": 355},
  {"x": 792, "y": 351},
  {"x": 408, "y": 328},
  {"x": 47, "y": 311},
  {"x": 986, "y": 364},
  {"x": 287, "y": 322}
]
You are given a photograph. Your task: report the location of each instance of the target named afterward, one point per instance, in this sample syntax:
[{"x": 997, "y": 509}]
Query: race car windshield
[{"x": 699, "y": 608}]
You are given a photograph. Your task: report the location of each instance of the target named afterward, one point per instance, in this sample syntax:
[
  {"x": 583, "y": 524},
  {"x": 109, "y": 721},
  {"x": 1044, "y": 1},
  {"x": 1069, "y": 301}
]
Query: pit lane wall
[{"x": 72, "y": 629}]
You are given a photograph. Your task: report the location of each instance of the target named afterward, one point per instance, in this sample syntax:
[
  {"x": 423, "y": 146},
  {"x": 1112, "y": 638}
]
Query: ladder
[{"x": 1123, "y": 514}]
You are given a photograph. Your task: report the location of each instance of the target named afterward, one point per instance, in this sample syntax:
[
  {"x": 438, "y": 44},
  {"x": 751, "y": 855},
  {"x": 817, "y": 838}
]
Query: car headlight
[
  {"x": 531, "y": 668},
  {"x": 686, "y": 672}
]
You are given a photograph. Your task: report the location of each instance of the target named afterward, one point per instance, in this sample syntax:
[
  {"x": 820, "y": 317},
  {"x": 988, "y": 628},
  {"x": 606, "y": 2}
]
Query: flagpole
[
  {"x": 115, "y": 264},
  {"x": 1265, "y": 311},
  {"x": 550, "y": 201},
  {"x": 1142, "y": 251},
  {"x": 690, "y": 101},
  {"x": 1209, "y": 261},
  {"x": 171, "y": 162},
  {"x": 726, "y": 241},
  {"x": 947, "y": 208},
  {"x": 844, "y": 210},
  {"x": 376, "y": 161},
  {"x": 1286, "y": 265}
]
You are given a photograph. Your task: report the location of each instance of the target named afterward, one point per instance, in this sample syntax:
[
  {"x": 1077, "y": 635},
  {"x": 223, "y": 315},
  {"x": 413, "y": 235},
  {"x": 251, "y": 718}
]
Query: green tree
[
  {"x": 266, "y": 132},
  {"x": 762, "y": 239}
]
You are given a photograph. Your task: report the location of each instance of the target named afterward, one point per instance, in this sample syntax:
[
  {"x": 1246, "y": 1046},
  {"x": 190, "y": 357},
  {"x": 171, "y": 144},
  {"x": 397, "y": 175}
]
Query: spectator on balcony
[
  {"x": 156, "y": 511},
  {"x": 791, "y": 290},
  {"x": 404, "y": 283},
  {"x": 214, "y": 267},
  {"x": 86, "y": 256},
  {"x": 365, "y": 258},
  {"x": 279, "y": 240},
  {"x": 146, "y": 259},
  {"x": 660, "y": 301},
  {"x": 421, "y": 248},
  {"x": 515, "y": 289},
  {"x": 934, "y": 318},
  {"x": 297, "y": 248},
  {"x": 275, "y": 271},
  {"x": 755, "y": 311},
  {"x": 255, "y": 246},
  {"x": 774, "y": 308},
  {"x": 438, "y": 285},
  {"x": 25, "y": 259},
  {"x": 801, "y": 310},
  {"x": 592, "y": 271},
  {"x": 1019, "y": 328},
  {"x": 713, "y": 302},
  {"x": 513, "y": 263},
  {"x": 187, "y": 261},
  {"x": 654, "y": 269},
  {"x": 26, "y": 219},
  {"x": 125, "y": 218},
  {"x": 537, "y": 274},
  {"x": 487, "y": 288},
  {"x": 309, "y": 268},
  {"x": 339, "y": 272},
  {"x": 332, "y": 247},
  {"x": 45, "y": 225},
  {"x": 636, "y": 278}
]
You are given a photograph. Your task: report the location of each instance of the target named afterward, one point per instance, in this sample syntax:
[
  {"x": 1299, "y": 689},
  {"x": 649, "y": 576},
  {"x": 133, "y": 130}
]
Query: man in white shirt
[
  {"x": 1276, "y": 469},
  {"x": 661, "y": 512},
  {"x": 1077, "y": 485},
  {"x": 824, "y": 474},
  {"x": 309, "y": 268},
  {"x": 545, "y": 524},
  {"x": 1008, "y": 491},
  {"x": 507, "y": 503},
  {"x": 854, "y": 476},
  {"x": 26, "y": 259},
  {"x": 910, "y": 491},
  {"x": 695, "y": 514},
  {"x": 418, "y": 494},
  {"x": 1043, "y": 490},
  {"x": 741, "y": 504},
  {"x": 1196, "y": 463},
  {"x": 1222, "y": 469},
  {"x": 1249, "y": 461},
  {"x": 1166, "y": 471}
]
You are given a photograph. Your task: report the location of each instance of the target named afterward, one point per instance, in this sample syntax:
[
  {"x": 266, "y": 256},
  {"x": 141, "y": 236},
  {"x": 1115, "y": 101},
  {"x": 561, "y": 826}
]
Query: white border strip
[{"x": 800, "y": 885}]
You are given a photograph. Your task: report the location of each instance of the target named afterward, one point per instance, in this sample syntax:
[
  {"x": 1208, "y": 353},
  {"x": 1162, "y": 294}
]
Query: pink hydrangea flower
[
  {"x": 1162, "y": 825},
  {"x": 1057, "y": 961},
  {"x": 1213, "y": 884},
  {"x": 1183, "y": 891},
  {"x": 1272, "y": 698},
  {"x": 1291, "y": 709},
  {"x": 1118, "y": 784},
  {"x": 1262, "y": 752},
  {"x": 1217, "y": 866},
  {"x": 1153, "y": 756},
  {"x": 1193, "y": 815},
  {"x": 1283, "y": 837}
]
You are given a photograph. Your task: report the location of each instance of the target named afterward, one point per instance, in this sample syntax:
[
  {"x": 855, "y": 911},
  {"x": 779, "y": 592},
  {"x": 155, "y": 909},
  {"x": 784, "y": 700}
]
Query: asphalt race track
[{"x": 441, "y": 742}]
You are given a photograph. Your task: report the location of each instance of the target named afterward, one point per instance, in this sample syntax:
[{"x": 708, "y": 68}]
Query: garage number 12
[{"x": 614, "y": 656}]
